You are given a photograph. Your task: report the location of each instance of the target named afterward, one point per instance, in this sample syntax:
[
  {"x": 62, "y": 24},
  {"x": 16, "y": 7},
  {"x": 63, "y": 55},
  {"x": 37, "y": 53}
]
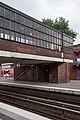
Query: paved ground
[
  {"x": 73, "y": 84},
  {"x": 9, "y": 112},
  {"x": 5, "y": 117}
]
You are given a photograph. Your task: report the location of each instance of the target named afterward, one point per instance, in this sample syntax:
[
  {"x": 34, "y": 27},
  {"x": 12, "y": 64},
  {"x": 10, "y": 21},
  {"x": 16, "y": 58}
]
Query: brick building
[
  {"x": 39, "y": 52},
  {"x": 75, "y": 67}
]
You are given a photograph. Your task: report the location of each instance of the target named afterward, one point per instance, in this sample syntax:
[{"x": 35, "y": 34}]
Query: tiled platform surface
[
  {"x": 72, "y": 87},
  {"x": 8, "y": 112}
]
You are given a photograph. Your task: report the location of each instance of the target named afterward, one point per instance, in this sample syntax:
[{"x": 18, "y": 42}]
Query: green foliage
[{"x": 60, "y": 24}]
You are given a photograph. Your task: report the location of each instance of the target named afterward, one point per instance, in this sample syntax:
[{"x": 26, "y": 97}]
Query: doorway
[{"x": 46, "y": 73}]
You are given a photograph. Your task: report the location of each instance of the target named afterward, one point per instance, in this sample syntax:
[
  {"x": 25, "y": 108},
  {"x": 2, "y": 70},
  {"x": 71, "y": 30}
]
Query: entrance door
[
  {"x": 46, "y": 73},
  {"x": 78, "y": 74}
]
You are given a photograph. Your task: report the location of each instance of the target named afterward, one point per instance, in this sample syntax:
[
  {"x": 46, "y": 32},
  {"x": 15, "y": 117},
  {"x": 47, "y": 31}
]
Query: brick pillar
[
  {"x": 63, "y": 72},
  {"x": 53, "y": 73}
]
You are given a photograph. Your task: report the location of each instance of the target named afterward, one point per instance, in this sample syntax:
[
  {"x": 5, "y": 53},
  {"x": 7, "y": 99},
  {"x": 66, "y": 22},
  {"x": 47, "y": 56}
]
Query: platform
[
  {"x": 72, "y": 87},
  {"x": 8, "y": 112}
]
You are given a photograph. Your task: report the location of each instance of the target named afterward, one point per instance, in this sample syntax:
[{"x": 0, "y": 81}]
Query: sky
[{"x": 39, "y": 9}]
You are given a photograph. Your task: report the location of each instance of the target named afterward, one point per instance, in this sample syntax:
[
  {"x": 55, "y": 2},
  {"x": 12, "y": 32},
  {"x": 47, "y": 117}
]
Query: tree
[{"x": 60, "y": 24}]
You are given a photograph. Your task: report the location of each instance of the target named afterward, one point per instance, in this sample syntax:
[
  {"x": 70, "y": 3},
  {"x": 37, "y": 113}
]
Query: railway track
[{"x": 55, "y": 108}]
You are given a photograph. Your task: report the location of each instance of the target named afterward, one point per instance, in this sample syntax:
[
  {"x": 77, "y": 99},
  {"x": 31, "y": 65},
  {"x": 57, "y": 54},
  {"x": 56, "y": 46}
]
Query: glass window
[
  {"x": 45, "y": 37},
  {"x": 18, "y": 37},
  {"x": 1, "y": 33},
  {"x": 41, "y": 36},
  {"x": 38, "y": 42},
  {"x": 22, "y": 29},
  {"x": 55, "y": 40},
  {"x": 55, "y": 46},
  {"x": 27, "y": 22},
  {"x": 57, "y": 35},
  {"x": 42, "y": 29},
  {"x": 52, "y": 46},
  {"x": 54, "y": 34},
  {"x": 6, "y": 23},
  {"x": 1, "y": 11},
  {"x": 1, "y": 22},
  {"x": 27, "y": 39},
  {"x": 37, "y": 33},
  {"x": 35, "y": 41},
  {"x": 59, "y": 48},
  {"x": 23, "y": 20},
  {"x": 17, "y": 27},
  {"x": 50, "y": 38},
  {"x": 22, "y": 38},
  {"x": 6, "y": 34},
  {"x": 45, "y": 44},
  {"x": 34, "y": 25},
  {"x": 50, "y": 32},
  {"x": 60, "y": 35},
  {"x": 34, "y": 33},
  {"x": 30, "y": 40},
  {"x": 12, "y": 27},
  {"x": 18, "y": 18},
  {"x": 47, "y": 30},
  {"x": 30, "y": 23},
  {"x": 12, "y": 34},
  {"x": 60, "y": 42},
  {"x": 27, "y": 31},
  {"x": 42, "y": 43},
  {"x": 12, "y": 15},
  {"x": 7, "y": 13},
  {"x": 30, "y": 32}
]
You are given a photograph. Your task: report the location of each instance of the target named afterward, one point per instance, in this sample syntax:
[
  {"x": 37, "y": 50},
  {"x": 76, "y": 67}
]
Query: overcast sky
[{"x": 39, "y": 9}]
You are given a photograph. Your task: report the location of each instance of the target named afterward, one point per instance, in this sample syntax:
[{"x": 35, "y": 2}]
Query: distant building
[
  {"x": 75, "y": 67},
  {"x": 42, "y": 53}
]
